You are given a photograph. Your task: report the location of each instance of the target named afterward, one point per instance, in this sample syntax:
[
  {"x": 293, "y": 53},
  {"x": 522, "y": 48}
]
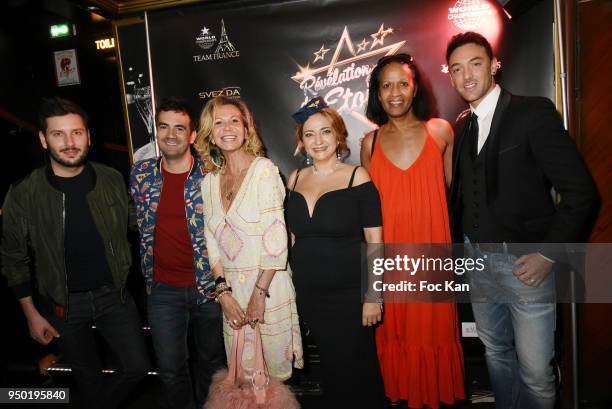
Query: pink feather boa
[{"x": 227, "y": 395}]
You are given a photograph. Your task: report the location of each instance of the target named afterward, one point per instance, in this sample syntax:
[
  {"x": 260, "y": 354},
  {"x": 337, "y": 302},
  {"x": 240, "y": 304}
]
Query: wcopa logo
[
  {"x": 225, "y": 49},
  {"x": 470, "y": 14},
  {"x": 205, "y": 39}
]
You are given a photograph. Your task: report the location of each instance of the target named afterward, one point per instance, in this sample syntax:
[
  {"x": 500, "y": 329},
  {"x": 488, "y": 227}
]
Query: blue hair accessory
[{"x": 312, "y": 107}]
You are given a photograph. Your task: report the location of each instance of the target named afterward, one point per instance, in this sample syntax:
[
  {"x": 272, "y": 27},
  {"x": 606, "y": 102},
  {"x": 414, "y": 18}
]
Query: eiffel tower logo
[{"x": 224, "y": 45}]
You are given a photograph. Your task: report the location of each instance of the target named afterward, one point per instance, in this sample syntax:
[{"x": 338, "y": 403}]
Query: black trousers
[{"x": 120, "y": 326}]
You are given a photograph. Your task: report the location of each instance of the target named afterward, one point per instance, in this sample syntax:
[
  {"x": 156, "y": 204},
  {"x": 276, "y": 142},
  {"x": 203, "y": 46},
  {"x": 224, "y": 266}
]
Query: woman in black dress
[{"x": 331, "y": 207}]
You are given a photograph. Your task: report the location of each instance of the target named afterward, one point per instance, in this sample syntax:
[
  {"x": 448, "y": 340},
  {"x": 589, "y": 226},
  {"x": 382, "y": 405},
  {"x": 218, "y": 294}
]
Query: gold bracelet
[{"x": 221, "y": 294}]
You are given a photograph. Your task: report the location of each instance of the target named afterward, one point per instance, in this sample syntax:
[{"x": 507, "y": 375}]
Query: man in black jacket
[
  {"x": 68, "y": 222},
  {"x": 509, "y": 152}
]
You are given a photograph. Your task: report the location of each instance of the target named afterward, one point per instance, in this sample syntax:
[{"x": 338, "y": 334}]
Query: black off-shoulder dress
[{"x": 326, "y": 265}]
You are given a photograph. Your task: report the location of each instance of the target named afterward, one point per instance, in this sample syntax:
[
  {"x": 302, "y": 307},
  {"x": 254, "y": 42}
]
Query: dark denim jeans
[
  {"x": 173, "y": 314},
  {"x": 120, "y": 326}
]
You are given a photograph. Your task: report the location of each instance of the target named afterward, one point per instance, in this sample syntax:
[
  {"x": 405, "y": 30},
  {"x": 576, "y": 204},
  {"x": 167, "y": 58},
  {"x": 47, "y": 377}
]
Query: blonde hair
[
  {"x": 337, "y": 124},
  {"x": 252, "y": 144}
]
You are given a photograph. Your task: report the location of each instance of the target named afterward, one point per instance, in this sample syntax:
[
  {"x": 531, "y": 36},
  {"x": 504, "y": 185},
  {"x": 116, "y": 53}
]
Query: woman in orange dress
[{"x": 409, "y": 160}]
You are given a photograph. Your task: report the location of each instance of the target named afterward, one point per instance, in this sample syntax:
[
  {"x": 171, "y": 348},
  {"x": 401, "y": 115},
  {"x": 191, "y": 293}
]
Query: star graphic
[
  {"x": 362, "y": 46},
  {"x": 304, "y": 72},
  {"x": 379, "y": 37},
  {"x": 205, "y": 31},
  {"x": 345, "y": 42},
  {"x": 320, "y": 55}
]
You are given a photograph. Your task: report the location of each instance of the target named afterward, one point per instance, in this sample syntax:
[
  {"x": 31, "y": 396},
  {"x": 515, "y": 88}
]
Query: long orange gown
[{"x": 418, "y": 344}]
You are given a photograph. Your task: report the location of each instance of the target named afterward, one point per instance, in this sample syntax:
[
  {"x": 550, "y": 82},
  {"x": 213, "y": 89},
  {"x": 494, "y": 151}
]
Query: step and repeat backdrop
[{"x": 277, "y": 55}]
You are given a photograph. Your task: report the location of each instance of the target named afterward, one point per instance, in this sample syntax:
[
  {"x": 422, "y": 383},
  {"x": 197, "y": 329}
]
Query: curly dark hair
[
  {"x": 175, "y": 104},
  {"x": 421, "y": 104},
  {"x": 469, "y": 37}
]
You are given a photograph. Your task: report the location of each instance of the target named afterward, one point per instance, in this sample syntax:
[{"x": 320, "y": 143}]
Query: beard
[{"x": 56, "y": 155}]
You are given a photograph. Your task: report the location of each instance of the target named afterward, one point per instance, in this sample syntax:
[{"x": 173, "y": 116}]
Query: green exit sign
[{"x": 59, "y": 30}]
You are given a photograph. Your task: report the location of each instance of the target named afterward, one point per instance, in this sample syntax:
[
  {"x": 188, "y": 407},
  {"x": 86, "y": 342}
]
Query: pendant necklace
[{"x": 230, "y": 193}]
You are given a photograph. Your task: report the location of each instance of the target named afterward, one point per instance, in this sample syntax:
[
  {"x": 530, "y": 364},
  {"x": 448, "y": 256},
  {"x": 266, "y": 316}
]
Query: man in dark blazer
[{"x": 509, "y": 152}]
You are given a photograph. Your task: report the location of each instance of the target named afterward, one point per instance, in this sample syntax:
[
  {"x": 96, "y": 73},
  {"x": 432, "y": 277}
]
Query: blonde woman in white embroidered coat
[{"x": 246, "y": 236}]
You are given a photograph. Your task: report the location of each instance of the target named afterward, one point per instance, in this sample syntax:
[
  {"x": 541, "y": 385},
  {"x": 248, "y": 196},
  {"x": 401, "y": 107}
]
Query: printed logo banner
[{"x": 278, "y": 56}]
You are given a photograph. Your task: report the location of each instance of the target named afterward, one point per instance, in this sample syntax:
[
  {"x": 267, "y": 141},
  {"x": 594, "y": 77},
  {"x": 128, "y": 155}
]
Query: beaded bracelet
[{"x": 264, "y": 290}]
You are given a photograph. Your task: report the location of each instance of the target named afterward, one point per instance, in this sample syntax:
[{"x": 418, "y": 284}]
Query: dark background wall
[
  {"x": 529, "y": 68},
  {"x": 27, "y": 74}
]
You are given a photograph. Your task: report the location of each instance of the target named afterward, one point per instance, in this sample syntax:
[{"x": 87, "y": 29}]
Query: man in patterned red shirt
[{"x": 168, "y": 202}]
